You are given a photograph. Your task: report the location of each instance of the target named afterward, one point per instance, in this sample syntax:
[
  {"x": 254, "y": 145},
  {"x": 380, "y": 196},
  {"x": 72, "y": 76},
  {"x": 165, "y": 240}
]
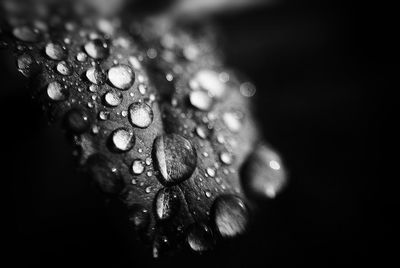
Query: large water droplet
[
  {"x": 122, "y": 140},
  {"x": 77, "y": 121},
  {"x": 26, "y": 34},
  {"x": 230, "y": 216},
  {"x": 112, "y": 99},
  {"x": 262, "y": 174},
  {"x": 140, "y": 115},
  {"x": 121, "y": 76},
  {"x": 139, "y": 217},
  {"x": 95, "y": 75},
  {"x": 200, "y": 238},
  {"x": 225, "y": 158},
  {"x": 64, "y": 68},
  {"x": 102, "y": 171},
  {"x": 200, "y": 100},
  {"x": 209, "y": 81},
  {"x": 175, "y": 158},
  {"x": 97, "y": 49},
  {"x": 56, "y": 92},
  {"x": 55, "y": 51},
  {"x": 167, "y": 202}
]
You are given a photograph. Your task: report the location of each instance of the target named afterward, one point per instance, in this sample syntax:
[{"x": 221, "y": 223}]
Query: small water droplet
[
  {"x": 137, "y": 167},
  {"x": 81, "y": 57},
  {"x": 140, "y": 115},
  {"x": 200, "y": 100},
  {"x": 112, "y": 98},
  {"x": 104, "y": 115},
  {"x": 167, "y": 203},
  {"x": 225, "y": 158},
  {"x": 55, "y": 51},
  {"x": 25, "y": 65},
  {"x": 208, "y": 194},
  {"x": 56, "y": 92},
  {"x": 97, "y": 49},
  {"x": 247, "y": 89},
  {"x": 209, "y": 81},
  {"x": 202, "y": 132},
  {"x": 210, "y": 172},
  {"x": 175, "y": 158},
  {"x": 232, "y": 121},
  {"x": 122, "y": 140},
  {"x": 121, "y": 76},
  {"x": 95, "y": 75},
  {"x": 230, "y": 216},
  {"x": 64, "y": 68}
]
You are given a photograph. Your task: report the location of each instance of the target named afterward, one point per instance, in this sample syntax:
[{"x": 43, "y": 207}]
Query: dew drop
[
  {"x": 175, "y": 158},
  {"x": 25, "y": 64},
  {"x": 56, "y": 92},
  {"x": 262, "y": 174},
  {"x": 230, "y": 216},
  {"x": 97, "y": 49},
  {"x": 140, "y": 115},
  {"x": 122, "y": 140},
  {"x": 200, "y": 238},
  {"x": 26, "y": 34},
  {"x": 95, "y": 75},
  {"x": 112, "y": 98},
  {"x": 121, "y": 76},
  {"x": 232, "y": 121},
  {"x": 77, "y": 121},
  {"x": 210, "y": 172},
  {"x": 247, "y": 89},
  {"x": 202, "y": 132},
  {"x": 209, "y": 81},
  {"x": 137, "y": 167},
  {"x": 55, "y": 51},
  {"x": 102, "y": 171},
  {"x": 167, "y": 202},
  {"x": 225, "y": 158},
  {"x": 64, "y": 68},
  {"x": 200, "y": 100},
  {"x": 81, "y": 57}
]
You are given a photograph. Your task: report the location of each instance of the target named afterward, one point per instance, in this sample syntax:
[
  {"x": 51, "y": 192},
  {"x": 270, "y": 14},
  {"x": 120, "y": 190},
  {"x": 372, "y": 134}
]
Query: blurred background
[{"x": 319, "y": 68}]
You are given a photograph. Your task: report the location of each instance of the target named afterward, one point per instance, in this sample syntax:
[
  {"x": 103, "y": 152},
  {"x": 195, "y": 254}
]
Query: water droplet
[
  {"x": 81, "y": 56},
  {"x": 230, "y": 216},
  {"x": 167, "y": 203},
  {"x": 112, "y": 98},
  {"x": 225, "y": 158},
  {"x": 95, "y": 75},
  {"x": 122, "y": 140},
  {"x": 208, "y": 194},
  {"x": 175, "y": 158},
  {"x": 102, "y": 171},
  {"x": 25, "y": 65},
  {"x": 232, "y": 121},
  {"x": 77, "y": 121},
  {"x": 137, "y": 167},
  {"x": 97, "y": 49},
  {"x": 210, "y": 172},
  {"x": 139, "y": 217},
  {"x": 64, "y": 68},
  {"x": 104, "y": 115},
  {"x": 200, "y": 238},
  {"x": 121, "y": 76},
  {"x": 200, "y": 100},
  {"x": 202, "y": 132},
  {"x": 209, "y": 81},
  {"x": 56, "y": 92},
  {"x": 55, "y": 51},
  {"x": 140, "y": 115},
  {"x": 262, "y": 174},
  {"x": 247, "y": 89},
  {"x": 26, "y": 34}
]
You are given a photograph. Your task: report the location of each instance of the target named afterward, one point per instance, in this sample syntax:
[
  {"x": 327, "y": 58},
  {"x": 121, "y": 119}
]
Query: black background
[{"x": 319, "y": 70}]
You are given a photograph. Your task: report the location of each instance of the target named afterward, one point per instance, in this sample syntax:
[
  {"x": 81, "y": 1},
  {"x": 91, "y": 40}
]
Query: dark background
[{"x": 319, "y": 70}]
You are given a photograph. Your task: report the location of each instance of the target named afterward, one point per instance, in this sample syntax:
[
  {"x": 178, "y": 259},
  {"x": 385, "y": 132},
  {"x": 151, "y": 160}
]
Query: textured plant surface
[{"x": 158, "y": 122}]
